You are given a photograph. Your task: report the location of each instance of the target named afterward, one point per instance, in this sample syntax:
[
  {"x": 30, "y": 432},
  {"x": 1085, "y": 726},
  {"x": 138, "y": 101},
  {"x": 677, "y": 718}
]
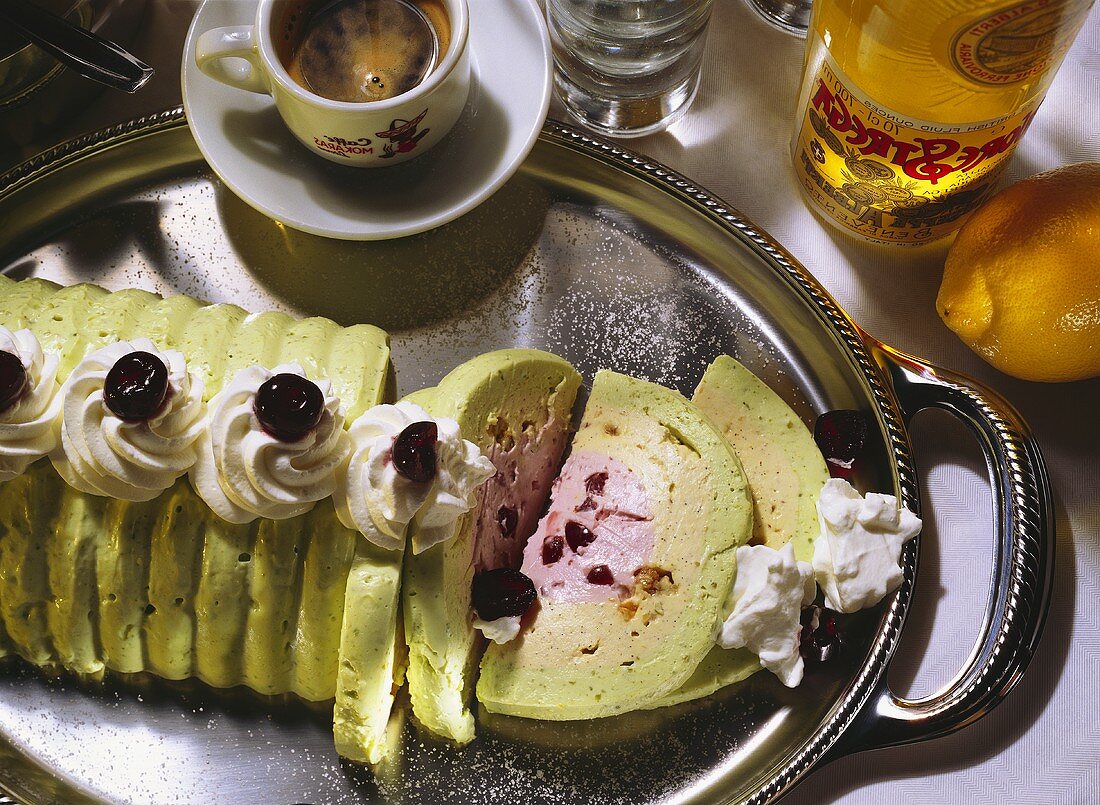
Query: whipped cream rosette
[
  {"x": 102, "y": 454},
  {"x": 244, "y": 472},
  {"x": 376, "y": 498},
  {"x": 461, "y": 469},
  {"x": 27, "y": 424}
]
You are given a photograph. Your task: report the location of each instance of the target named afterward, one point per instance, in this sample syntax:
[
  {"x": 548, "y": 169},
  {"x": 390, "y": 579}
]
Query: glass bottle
[{"x": 910, "y": 109}]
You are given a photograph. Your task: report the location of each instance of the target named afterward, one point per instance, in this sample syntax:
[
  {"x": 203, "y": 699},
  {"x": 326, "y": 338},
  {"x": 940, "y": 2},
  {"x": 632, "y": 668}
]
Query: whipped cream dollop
[
  {"x": 243, "y": 472},
  {"x": 379, "y": 502},
  {"x": 102, "y": 454},
  {"x": 765, "y": 605},
  {"x": 502, "y": 630},
  {"x": 858, "y": 553},
  {"x": 27, "y": 428}
]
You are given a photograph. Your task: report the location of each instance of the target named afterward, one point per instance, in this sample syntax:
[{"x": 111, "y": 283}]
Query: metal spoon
[{"x": 89, "y": 55}]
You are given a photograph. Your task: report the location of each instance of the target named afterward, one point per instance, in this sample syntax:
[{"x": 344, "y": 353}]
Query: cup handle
[{"x": 216, "y": 46}]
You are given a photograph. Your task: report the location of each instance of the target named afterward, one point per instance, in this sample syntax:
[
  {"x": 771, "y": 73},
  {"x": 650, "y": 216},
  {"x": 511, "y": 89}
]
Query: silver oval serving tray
[{"x": 613, "y": 262}]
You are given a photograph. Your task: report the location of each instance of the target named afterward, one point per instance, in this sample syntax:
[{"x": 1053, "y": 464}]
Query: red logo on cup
[{"x": 402, "y": 136}]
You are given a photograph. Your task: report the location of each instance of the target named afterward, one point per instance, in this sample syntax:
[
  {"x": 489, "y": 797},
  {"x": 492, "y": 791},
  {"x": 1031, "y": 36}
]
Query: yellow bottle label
[
  {"x": 890, "y": 178},
  {"x": 1016, "y": 42}
]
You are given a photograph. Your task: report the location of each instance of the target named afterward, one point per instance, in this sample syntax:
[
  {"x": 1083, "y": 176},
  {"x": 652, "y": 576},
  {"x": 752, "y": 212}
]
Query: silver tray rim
[{"x": 873, "y": 361}]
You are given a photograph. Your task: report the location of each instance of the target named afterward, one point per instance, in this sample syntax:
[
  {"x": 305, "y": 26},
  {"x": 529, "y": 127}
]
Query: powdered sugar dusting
[{"x": 537, "y": 265}]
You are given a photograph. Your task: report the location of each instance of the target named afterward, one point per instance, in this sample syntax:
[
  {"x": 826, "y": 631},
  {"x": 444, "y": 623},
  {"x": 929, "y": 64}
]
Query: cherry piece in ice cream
[
  {"x": 594, "y": 483},
  {"x": 507, "y": 520},
  {"x": 601, "y": 575},
  {"x": 552, "y": 549},
  {"x": 578, "y": 535}
]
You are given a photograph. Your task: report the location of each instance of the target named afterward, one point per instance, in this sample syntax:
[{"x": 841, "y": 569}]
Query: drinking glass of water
[{"x": 626, "y": 68}]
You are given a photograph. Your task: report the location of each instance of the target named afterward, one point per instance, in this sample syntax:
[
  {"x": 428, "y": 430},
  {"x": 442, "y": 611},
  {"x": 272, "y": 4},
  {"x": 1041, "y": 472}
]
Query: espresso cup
[{"x": 370, "y": 134}]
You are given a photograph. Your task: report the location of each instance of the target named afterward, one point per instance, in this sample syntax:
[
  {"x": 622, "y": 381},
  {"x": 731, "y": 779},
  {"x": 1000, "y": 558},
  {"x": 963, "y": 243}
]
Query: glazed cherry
[
  {"x": 594, "y": 483},
  {"x": 840, "y": 435},
  {"x": 414, "y": 451},
  {"x": 13, "y": 380},
  {"x": 577, "y": 535},
  {"x": 820, "y": 637},
  {"x": 136, "y": 386},
  {"x": 552, "y": 549},
  {"x": 507, "y": 520},
  {"x": 288, "y": 406},
  {"x": 501, "y": 593},
  {"x": 601, "y": 575},
  {"x": 586, "y": 505}
]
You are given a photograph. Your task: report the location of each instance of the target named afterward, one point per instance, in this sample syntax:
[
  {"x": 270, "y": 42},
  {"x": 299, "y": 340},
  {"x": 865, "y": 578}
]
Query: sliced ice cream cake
[
  {"x": 90, "y": 583},
  {"x": 516, "y": 405},
  {"x": 631, "y": 564}
]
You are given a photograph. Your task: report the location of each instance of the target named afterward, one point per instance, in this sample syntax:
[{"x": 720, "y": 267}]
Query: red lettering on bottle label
[{"x": 926, "y": 159}]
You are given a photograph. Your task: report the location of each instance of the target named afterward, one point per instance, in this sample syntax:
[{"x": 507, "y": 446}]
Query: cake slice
[
  {"x": 516, "y": 406},
  {"x": 92, "y": 584},
  {"x": 632, "y": 563},
  {"x": 785, "y": 470},
  {"x": 784, "y": 466}
]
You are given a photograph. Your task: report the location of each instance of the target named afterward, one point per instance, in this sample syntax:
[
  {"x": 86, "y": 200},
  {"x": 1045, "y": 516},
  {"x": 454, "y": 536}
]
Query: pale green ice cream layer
[
  {"x": 786, "y": 472},
  {"x": 88, "y": 584}
]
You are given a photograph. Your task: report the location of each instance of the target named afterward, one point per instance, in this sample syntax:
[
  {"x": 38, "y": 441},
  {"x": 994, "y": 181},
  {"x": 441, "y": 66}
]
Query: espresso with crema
[{"x": 363, "y": 50}]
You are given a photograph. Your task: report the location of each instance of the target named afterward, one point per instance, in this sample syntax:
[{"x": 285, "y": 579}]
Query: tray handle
[{"x": 1023, "y": 567}]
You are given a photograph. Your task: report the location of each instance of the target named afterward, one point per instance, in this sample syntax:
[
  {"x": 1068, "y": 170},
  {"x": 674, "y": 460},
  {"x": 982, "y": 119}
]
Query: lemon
[{"x": 1021, "y": 285}]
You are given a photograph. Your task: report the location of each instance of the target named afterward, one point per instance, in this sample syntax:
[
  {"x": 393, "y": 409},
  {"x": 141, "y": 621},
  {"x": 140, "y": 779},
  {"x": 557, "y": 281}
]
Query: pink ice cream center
[{"x": 597, "y": 533}]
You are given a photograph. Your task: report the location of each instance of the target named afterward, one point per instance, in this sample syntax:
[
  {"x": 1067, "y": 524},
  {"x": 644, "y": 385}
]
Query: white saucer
[{"x": 244, "y": 139}]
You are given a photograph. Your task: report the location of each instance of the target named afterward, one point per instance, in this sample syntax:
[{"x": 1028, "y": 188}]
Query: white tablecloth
[{"x": 1042, "y": 745}]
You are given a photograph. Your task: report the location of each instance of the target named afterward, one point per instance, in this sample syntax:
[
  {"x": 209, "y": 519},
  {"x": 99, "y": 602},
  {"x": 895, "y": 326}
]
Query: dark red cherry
[
  {"x": 577, "y": 535},
  {"x": 820, "y": 636},
  {"x": 288, "y": 406},
  {"x": 507, "y": 520},
  {"x": 601, "y": 575},
  {"x": 414, "y": 451},
  {"x": 840, "y": 435},
  {"x": 13, "y": 380},
  {"x": 594, "y": 483},
  {"x": 501, "y": 593},
  {"x": 136, "y": 386},
  {"x": 552, "y": 549}
]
